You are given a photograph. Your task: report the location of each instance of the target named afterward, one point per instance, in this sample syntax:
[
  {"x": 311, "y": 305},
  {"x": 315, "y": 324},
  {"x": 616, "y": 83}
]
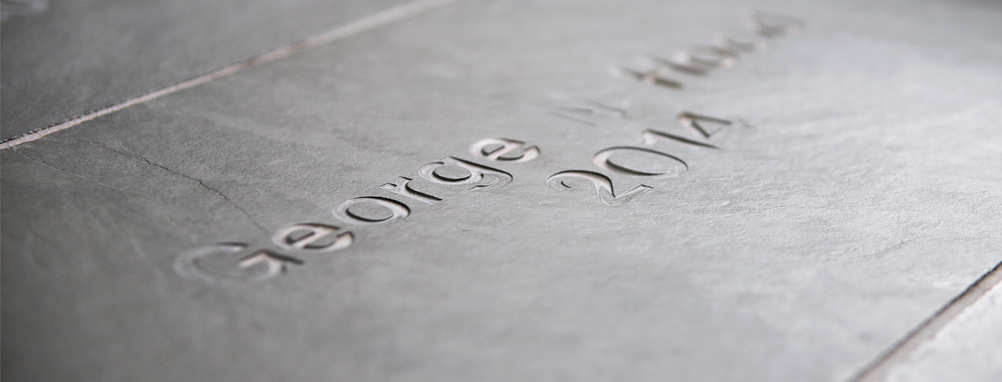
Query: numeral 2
[{"x": 603, "y": 186}]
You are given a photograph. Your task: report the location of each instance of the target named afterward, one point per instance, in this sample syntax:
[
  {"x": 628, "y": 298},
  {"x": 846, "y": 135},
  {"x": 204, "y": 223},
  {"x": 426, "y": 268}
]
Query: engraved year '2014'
[
  {"x": 242, "y": 262},
  {"x": 698, "y": 60}
]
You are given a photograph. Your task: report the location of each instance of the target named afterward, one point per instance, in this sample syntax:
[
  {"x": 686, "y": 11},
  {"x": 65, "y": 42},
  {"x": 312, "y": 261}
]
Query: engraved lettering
[
  {"x": 603, "y": 186},
  {"x": 229, "y": 262},
  {"x": 652, "y": 136},
  {"x": 704, "y": 125},
  {"x": 582, "y": 110},
  {"x": 681, "y": 67},
  {"x": 401, "y": 186},
  {"x": 395, "y": 209},
  {"x": 708, "y": 56},
  {"x": 312, "y": 237},
  {"x": 775, "y": 25},
  {"x": 654, "y": 76},
  {"x": 222, "y": 262},
  {"x": 274, "y": 263},
  {"x": 504, "y": 150},
  {"x": 674, "y": 165},
  {"x": 742, "y": 41},
  {"x": 476, "y": 173}
]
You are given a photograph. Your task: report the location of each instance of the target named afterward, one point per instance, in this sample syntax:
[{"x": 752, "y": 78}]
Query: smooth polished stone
[
  {"x": 853, "y": 195},
  {"x": 81, "y": 55}
]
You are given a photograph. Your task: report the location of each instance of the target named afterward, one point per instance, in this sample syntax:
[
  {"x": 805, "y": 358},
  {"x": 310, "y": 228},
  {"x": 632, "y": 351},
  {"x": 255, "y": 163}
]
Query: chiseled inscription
[
  {"x": 232, "y": 262},
  {"x": 476, "y": 174},
  {"x": 701, "y": 59},
  {"x": 401, "y": 186},
  {"x": 602, "y": 183},
  {"x": 583, "y": 110},
  {"x": 241, "y": 262},
  {"x": 312, "y": 237},
  {"x": 673, "y": 165},
  {"x": 396, "y": 210},
  {"x": 504, "y": 150},
  {"x": 698, "y": 60}
]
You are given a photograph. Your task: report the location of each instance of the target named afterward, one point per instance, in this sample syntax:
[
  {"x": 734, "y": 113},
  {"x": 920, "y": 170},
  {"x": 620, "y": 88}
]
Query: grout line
[
  {"x": 380, "y": 19},
  {"x": 897, "y": 354}
]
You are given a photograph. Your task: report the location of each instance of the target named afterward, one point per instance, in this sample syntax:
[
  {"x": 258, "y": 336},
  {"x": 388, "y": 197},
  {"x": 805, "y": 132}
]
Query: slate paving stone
[
  {"x": 965, "y": 350},
  {"x": 854, "y": 193},
  {"x": 82, "y": 55}
]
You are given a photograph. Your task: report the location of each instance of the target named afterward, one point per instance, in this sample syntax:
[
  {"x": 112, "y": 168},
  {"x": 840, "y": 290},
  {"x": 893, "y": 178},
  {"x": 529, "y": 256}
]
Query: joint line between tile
[
  {"x": 380, "y": 19},
  {"x": 879, "y": 369}
]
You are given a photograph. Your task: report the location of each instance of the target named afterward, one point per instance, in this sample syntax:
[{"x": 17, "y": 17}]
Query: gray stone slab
[
  {"x": 854, "y": 194},
  {"x": 965, "y": 350},
  {"x": 81, "y": 55}
]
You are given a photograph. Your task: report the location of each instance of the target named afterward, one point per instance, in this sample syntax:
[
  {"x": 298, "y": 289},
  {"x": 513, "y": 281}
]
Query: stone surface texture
[
  {"x": 856, "y": 191},
  {"x": 81, "y": 55}
]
